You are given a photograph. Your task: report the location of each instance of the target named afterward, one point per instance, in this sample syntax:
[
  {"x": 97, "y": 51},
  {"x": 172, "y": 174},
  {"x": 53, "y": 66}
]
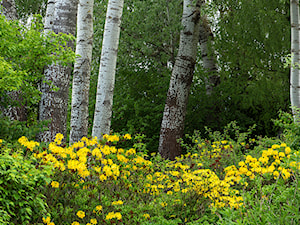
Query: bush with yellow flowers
[
  {"x": 22, "y": 179},
  {"x": 114, "y": 181},
  {"x": 101, "y": 182},
  {"x": 269, "y": 187}
]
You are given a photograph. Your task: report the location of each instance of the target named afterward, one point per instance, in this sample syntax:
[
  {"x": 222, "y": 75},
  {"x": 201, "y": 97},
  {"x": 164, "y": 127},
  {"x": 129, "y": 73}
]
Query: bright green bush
[{"x": 21, "y": 178}]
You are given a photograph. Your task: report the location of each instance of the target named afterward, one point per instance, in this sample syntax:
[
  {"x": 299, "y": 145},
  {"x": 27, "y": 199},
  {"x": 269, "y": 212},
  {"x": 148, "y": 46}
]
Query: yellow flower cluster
[
  {"x": 28, "y": 144},
  {"x": 47, "y": 221},
  {"x": 272, "y": 162},
  {"x": 213, "y": 150},
  {"x": 119, "y": 202},
  {"x": 80, "y": 214},
  {"x": 113, "y": 215},
  {"x": 180, "y": 177},
  {"x": 55, "y": 184},
  {"x": 113, "y": 164}
]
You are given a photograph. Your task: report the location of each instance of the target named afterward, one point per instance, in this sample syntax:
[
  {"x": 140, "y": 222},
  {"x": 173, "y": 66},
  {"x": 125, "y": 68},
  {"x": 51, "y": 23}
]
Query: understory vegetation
[{"x": 228, "y": 178}]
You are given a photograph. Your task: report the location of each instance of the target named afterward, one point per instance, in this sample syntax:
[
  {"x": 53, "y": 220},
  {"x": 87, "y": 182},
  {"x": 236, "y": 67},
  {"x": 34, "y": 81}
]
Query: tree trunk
[
  {"x": 49, "y": 17},
  {"x": 208, "y": 58},
  {"x": 294, "y": 76},
  {"x": 9, "y": 9},
  {"x": 172, "y": 126},
  {"x": 82, "y": 69},
  {"x": 106, "y": 79},
  {"x": 54, "y": 104}
]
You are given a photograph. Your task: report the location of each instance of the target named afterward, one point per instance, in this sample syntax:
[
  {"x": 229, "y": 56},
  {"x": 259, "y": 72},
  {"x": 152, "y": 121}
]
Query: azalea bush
[
  {"x": 101, "y": 181},
  {"x": 21, "y": 182},
  {"x": 115, "y": 181}
]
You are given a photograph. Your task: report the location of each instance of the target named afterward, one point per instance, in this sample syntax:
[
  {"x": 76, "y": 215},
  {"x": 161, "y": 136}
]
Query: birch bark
[
  {"x": 82, "y": 69},
  {"x": 54, "y": 104},
  {"x": 106, "y": 78},
  {"x": 172, "y": 126},
  {"x": 294, "y": 74}
]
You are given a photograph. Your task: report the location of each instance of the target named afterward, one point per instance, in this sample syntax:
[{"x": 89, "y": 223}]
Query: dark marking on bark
[{"x": 188, "y": 33}]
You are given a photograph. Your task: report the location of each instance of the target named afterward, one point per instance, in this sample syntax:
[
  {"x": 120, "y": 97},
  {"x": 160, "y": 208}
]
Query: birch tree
[
  {"x": 54, "y": 101},
  {"x": 82, "y": 69},
  {"x": 172, "y": 126},
  {"x": 295, "y": 48},
  {"x": 106, "y": 78}
]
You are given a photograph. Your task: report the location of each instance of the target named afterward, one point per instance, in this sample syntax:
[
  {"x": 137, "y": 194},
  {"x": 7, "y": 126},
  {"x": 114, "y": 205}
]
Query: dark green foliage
[
  {"x": 251, "y": 40},
  {"x": 11, "y": 131},
  {"x": 26, "y": 8}
]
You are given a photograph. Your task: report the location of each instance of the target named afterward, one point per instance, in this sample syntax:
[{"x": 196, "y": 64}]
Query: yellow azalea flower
[
  {"x": 146, "y": 216},
  {"x": 163, "y": 204},
  {"x": 99, "y": 207},
  {"x": 58, "y": 138},
  {"x": 102, "y": 177},
  {"x": 276, "y": 174},
  {"x": 55, "y": 184},
  {"x": 75, "y": 223},
  {"x": 122, "y": 158},
  {"x": 119, "y": 202},
  {"x": 241, "y": 163},
  {"x": 93, "y": 221},
  {"x": 275, "y": 146},
  {"x": 283, "y": 145},
  {"x": 288, "y": 150},
  {"x": 127, "y": 136},
  {"x": 113, "y": 215},
  {"x": 46, "y": 220},
  {"x": 80, "y": 214}
]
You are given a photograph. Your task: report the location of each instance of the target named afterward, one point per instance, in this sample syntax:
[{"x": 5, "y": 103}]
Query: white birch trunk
[
  {"x": 82, "y": 69},
  {"x": 106, "y": 79},
  {"x": 172, "y": 126},
  {"x": 208, "y": 57},
  {"x": 54, "y": 104},
  {"x": 49, "y": 17},
  {"x": 294, "y": 76}
]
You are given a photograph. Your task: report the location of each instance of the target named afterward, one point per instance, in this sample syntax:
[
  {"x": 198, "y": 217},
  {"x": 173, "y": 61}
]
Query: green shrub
[
  {"x": 21, "y": 201},
  {"x": 11, "y": 130}
]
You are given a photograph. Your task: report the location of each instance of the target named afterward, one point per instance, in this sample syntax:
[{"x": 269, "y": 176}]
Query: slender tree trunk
[
  {"x": 294, "y": 77},
  {"x": 54, "y": 104},
  {"x": 209, "y": 60},
  {"x": 106, "y": 79},
  {"x": 172, "y": 126},
  {"x": 82, "y": 69}
]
